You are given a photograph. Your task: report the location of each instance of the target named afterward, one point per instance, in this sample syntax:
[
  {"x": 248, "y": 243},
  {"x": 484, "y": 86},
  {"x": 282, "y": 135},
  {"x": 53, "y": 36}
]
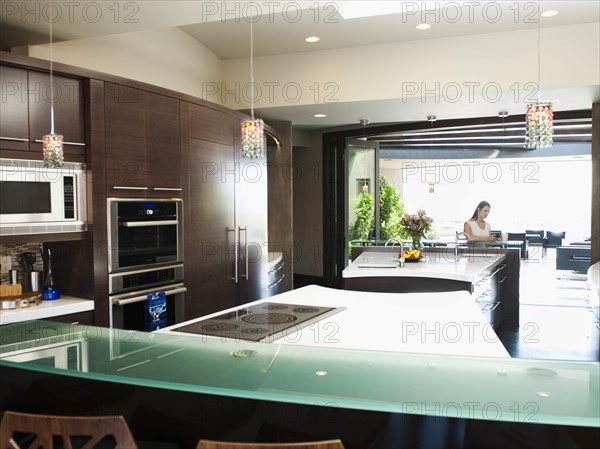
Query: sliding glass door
[{"x": 361, "y": 167}]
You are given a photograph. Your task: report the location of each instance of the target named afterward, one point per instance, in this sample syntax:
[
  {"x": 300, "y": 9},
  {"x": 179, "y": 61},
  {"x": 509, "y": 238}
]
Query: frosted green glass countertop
[{"x": 513, "y": 390}]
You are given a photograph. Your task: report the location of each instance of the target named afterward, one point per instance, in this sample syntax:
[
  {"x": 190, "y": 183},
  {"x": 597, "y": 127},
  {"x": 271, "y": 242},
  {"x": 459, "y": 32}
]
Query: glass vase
[{"x": 416, "y": 244}]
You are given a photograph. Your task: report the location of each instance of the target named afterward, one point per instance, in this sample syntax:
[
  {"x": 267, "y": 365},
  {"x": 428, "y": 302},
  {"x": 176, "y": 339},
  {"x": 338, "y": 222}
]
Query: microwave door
[{"x": 24, "y": 201}]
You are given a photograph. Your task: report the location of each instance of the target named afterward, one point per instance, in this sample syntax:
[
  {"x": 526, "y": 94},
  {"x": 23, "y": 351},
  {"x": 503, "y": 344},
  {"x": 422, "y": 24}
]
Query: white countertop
[
  {"x": 435, "y": 265},
  {"x": 434, "y": 323},
  {"x": 47, "y": 309}
]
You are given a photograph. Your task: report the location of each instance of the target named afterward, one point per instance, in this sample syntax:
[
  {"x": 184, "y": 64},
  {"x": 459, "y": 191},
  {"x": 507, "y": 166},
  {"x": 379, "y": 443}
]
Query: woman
[{"x": 477, "y": 228}]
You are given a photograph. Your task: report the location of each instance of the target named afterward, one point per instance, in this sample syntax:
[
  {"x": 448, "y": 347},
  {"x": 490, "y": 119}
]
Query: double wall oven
[{"x": 145, "y": 243}]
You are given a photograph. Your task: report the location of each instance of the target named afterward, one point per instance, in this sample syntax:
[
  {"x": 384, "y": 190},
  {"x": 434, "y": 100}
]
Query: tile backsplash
[{"x": 14, "y": 251}]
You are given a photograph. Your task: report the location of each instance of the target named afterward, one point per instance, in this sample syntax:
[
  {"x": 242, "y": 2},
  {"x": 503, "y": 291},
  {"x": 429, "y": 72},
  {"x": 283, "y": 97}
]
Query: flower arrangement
[{"x": 417, "y": 225}]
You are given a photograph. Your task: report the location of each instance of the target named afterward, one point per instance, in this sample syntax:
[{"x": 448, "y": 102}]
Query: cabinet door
[
  {"x": 14, "y": 121},
  {"x": 69, "y": 120},
  {"x": 163, "y": 145},
  {"x": 252, "y": 224},
  {"x": 210, "y": 252},
  {"x": 125, "y": 128}
]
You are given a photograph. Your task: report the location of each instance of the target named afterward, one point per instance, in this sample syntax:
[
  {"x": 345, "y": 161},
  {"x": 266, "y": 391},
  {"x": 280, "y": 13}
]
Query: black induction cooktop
[{"x": 259, "y": 322}]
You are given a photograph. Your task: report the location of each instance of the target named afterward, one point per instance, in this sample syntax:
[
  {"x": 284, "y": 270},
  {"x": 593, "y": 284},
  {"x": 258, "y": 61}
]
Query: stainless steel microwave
[{"x": 35, "y": 199}]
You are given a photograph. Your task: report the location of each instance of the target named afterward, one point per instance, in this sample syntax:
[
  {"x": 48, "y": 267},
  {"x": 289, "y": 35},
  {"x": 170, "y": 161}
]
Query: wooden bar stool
[{"x": 39, "y": 431}]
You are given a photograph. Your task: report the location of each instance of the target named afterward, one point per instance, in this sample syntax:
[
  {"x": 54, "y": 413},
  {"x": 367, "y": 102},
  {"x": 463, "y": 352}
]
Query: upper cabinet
[
  {"x": 14, "y": 119},
  {"x": 143, "y": 143},
  {"x": 163, "y": 144},
  {"x": 67, "y": 94},
  {"x": 27, "y": 97},
  {"x": 125, "y": 134}
]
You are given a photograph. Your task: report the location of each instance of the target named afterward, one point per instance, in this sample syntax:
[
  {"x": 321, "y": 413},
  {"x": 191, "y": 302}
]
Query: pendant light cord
[
  {"x": 252, "y": 68},
  {"x": 539, "y": 89},
  {"x": 51, "y": 82}
]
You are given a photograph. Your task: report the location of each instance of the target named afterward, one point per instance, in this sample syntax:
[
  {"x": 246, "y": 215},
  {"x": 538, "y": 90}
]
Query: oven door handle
[
  {"x": 139, "y": 224},
  {"x": 124, "y": 301}
]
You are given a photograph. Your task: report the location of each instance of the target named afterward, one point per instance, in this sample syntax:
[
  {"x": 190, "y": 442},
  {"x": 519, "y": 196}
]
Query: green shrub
[
  {"x": 365, "y": 218},
  {"x": 391, "y": 210}
]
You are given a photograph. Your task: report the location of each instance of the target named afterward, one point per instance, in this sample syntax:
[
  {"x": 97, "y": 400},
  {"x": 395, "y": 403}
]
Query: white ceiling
[{"x": 280, "y": 28}]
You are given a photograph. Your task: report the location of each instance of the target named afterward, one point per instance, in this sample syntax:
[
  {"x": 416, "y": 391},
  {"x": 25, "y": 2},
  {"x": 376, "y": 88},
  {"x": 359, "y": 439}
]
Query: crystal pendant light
[
  {"x": 253, "y": 129},
  {"x": 52, "y": 144},
  {"x": 539, "y": 122},
  {"x": 253, "y": 138},
  {"x": 539, "y": 118}
]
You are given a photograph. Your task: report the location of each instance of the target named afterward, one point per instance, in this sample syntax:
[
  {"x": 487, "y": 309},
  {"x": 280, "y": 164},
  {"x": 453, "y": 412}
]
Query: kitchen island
[
  {"x": 491, "y": 275},
  {"x": 179, "y": 389},
  {"x": 434, "y": 323}
]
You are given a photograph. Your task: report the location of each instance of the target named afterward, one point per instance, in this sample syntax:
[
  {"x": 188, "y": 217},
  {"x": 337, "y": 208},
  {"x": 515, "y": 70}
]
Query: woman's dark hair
[{"x": 480, "y": 206}]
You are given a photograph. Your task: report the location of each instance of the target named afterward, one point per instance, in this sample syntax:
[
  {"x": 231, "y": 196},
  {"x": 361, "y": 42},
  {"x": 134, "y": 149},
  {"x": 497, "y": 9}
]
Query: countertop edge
[
  {"x": 47, "y": 309},
  {"x": 353, "y": 272}
]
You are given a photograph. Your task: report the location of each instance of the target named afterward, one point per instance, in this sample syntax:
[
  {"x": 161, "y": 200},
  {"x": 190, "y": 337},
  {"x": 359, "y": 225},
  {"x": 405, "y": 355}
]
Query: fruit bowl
[{"x": 412, "y": 254}]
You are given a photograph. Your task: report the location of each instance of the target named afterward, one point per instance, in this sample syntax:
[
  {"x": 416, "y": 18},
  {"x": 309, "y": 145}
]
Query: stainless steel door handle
[
  {"x": 236, "y": 249},
  {"x": 141, "y": 224},
  {"x": 122, "y": 300},
  {"x": 15, "y": 139},
  {"x": 245, "y": 229}
]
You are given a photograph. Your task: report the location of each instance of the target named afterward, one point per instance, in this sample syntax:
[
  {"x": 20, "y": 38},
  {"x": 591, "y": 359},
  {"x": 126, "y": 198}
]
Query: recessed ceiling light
[
  {"x": 312, "y": 39},
  {"x": 423, "y": 26},
  {"x": 550, "y": 13},
  {"x": 320, "y": 115}
]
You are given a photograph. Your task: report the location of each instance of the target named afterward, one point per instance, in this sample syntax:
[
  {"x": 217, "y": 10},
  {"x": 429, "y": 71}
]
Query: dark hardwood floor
[{"x": 556, "y": 321}]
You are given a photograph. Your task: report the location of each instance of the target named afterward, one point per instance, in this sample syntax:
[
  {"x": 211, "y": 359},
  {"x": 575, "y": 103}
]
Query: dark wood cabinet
[
  {"x": 27, "y": 96},
  {"x": 163, "y": 130},
  {"x": 211, "y": 125},
  {"x": 69, "y": 116},
  {"x": 143, "y": 143},
  {"x": 226, "y": 255},
  {"x": 14, "y": 116},
  {"x": 125, "y": 131},
  {"x": 210, "y": 234}
]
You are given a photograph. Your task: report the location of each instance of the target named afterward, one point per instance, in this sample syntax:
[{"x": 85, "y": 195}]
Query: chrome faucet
[
  {"x": 459, "y": 234},
  {"x": 394, "y": 241}
]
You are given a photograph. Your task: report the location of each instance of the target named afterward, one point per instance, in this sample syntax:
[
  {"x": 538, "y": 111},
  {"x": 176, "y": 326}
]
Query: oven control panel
[
  {"x": 150, "y": 277},
  {"x": 140, "y": 279}
]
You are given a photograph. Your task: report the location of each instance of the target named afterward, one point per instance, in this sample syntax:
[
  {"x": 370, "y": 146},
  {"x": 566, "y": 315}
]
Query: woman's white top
[{"x": 476, "y": 231}]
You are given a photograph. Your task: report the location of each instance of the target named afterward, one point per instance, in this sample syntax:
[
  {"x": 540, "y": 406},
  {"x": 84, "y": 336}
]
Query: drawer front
[{"x": 486, "y": 292}]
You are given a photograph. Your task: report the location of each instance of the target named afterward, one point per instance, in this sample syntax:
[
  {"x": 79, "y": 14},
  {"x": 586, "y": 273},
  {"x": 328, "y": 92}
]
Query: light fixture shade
[
  {"x": 539, "y": 125},
  {"x": 52, "y": 147},
  {"x": 253, "y": 138}
]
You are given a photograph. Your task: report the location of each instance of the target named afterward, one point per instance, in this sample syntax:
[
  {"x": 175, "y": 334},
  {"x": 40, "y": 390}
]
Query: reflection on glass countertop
[{"x": 513, "y": 390}]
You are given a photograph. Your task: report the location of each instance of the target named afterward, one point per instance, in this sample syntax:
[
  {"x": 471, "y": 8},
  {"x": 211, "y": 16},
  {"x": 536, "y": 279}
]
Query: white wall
[
  {"x": 569, "y": 58},
  {"x": 171, "y": 58},
  {"x": 167, "y": 58}
]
